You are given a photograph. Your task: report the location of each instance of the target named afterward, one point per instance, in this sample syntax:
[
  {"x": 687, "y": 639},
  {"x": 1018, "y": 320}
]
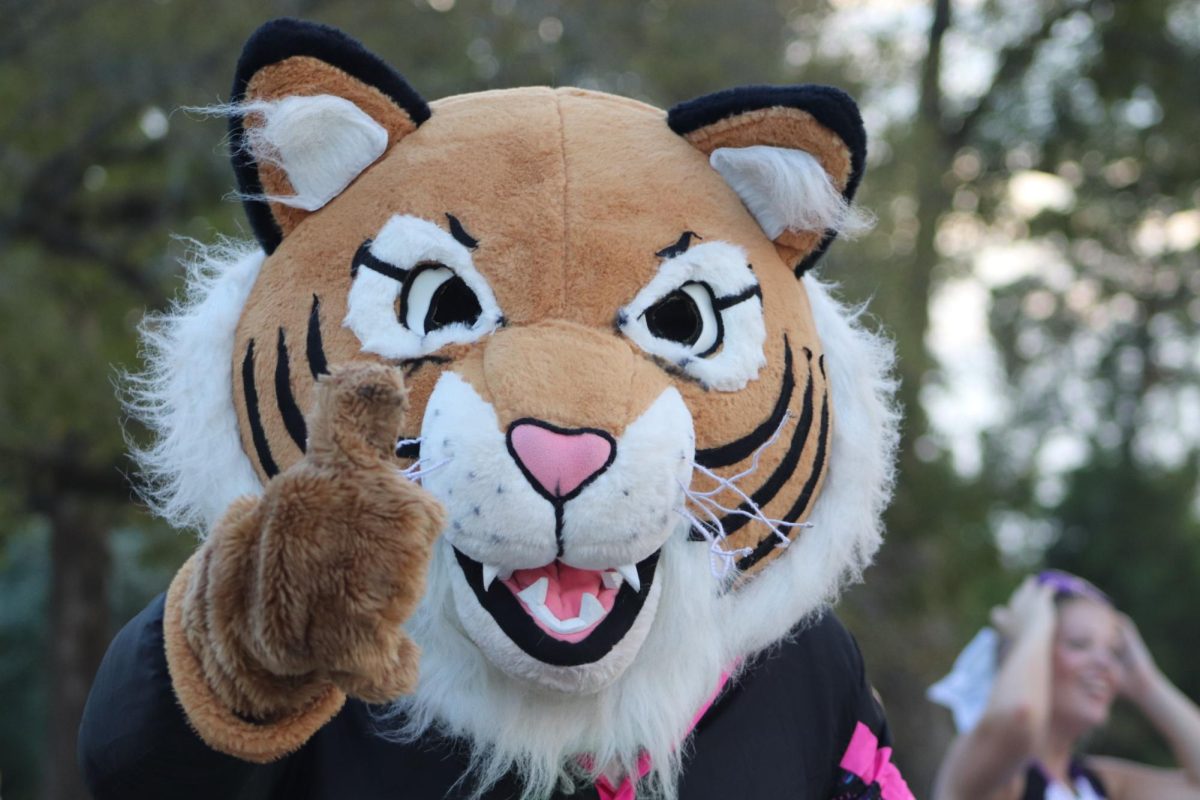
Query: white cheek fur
[
  {"x": 494, "y": 515},
  {"x": 629, "y": 510}
]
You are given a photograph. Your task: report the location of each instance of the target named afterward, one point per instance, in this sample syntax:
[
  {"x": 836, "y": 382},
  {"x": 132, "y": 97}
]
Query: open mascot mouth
[{"x": 562, "y": 615}]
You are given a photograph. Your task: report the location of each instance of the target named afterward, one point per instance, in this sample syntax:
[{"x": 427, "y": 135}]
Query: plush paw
[{"x": 311, "y": 583}]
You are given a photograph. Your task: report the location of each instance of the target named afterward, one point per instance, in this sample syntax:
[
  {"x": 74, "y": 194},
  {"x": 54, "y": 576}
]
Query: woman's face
[{"x": 1086, "y": 664}]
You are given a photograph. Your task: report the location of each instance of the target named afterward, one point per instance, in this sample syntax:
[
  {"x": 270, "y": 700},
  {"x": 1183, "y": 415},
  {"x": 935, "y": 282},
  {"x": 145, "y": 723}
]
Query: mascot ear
[
  {"x": 312, "y": 109},
  {"x": 794, "y": 154}
]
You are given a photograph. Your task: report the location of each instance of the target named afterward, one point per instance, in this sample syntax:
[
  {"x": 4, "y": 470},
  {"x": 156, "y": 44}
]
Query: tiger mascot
[{"x": 528, "y": 454}]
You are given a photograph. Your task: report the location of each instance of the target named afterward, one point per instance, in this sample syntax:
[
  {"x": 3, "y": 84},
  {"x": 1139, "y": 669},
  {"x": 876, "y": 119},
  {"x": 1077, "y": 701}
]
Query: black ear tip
[
  {"x": 281, "y": 25},
  {"x": 829, "y": 105},
  {"x": 283, "y": 38},
  {"x": 290, "y": 29}
]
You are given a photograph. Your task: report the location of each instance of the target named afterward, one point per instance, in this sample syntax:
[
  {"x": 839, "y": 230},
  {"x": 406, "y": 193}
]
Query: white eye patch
[
  {"x": 702, "y": 313},
  {"x": 416, "y": 290}
]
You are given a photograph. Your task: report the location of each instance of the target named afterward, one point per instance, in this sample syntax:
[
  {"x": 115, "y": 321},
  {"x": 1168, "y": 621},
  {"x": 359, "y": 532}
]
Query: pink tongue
[{"x": 567, "y": 585}]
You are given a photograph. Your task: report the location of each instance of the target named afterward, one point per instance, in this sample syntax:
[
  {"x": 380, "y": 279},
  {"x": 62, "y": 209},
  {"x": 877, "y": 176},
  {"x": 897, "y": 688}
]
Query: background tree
[{"x": 1036, "y": 181}]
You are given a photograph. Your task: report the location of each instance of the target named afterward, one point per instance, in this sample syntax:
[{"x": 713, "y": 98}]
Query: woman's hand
[
  {"x": 1030, "y": 608},
  {"x": 990, "y": 760},
  {"x": 1139, "y": 674}
]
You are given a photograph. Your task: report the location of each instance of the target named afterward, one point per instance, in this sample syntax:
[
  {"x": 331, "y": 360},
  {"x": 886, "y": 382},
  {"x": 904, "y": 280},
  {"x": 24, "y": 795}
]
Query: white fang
[{"x": 630, "y": 574}]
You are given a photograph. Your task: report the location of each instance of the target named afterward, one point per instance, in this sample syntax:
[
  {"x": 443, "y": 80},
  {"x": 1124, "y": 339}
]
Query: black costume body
[{"x": 779, "y": 730}]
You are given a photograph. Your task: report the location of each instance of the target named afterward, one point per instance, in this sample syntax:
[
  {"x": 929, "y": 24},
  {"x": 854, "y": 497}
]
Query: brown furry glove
[{"x": 298, "y": 596}]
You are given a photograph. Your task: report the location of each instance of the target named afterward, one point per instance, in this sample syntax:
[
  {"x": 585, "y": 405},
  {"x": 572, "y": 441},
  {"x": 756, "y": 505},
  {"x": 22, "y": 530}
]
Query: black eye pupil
[
  {"x": 675, "y": 318},
  {"x": 452, "y": 302}
]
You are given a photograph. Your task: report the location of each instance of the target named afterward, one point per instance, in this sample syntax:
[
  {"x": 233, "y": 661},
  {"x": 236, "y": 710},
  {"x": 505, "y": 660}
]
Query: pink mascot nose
[{"x": 558, "y": 461}]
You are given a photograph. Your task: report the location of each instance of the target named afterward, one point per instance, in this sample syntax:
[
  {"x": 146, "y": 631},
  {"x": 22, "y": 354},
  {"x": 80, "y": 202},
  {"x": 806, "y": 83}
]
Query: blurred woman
[{"x": 1065, "y": 654}]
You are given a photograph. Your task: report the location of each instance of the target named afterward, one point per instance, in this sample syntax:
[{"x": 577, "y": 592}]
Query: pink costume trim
[
  {"x": 872, "y": 763},
  {"x": 628, "y": 788}
]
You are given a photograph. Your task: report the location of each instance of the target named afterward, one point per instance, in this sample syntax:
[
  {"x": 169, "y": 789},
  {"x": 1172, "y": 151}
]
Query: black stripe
[
  {"x": 460, "y": 233},
  {"x": 293, "y": 420},
  {"x": 409, "y": 450},
  {"x": 363, "y": 257},
  {"x": 316, "y": 348},
  {"x": 732, "y": 523},
  {"x": 741, "y": 449},
  {"x": 722, "y": 303},
  {"x": 801, "y": 505},
  {"x": 681, "y": 245},
  {"x": 256, "y": 429},
  {"x": 411, "y": 365}
]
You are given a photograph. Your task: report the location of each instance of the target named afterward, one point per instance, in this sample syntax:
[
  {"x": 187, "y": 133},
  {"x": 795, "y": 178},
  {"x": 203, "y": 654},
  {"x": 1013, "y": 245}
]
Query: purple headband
[{"x": 1067, "y": 585}]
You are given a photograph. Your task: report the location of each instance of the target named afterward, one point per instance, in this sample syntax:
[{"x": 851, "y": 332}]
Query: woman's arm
[
  {"x": 987, "y": 759},
  {"x": 1172, "y": 714}
]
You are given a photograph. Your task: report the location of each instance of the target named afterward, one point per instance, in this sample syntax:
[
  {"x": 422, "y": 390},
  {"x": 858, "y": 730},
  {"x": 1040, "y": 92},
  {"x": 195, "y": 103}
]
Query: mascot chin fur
[{"x": 528, "y": 454}]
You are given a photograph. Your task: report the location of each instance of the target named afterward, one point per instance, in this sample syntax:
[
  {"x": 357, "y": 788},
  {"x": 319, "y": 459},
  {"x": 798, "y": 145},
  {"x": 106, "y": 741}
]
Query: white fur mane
[{"x": 195, "y": 466}]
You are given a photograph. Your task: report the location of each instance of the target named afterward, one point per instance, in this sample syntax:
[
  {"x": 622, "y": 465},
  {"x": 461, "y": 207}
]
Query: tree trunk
[
  {"x": 78, "y": 634},
  {"x": 896, "y": 667}
]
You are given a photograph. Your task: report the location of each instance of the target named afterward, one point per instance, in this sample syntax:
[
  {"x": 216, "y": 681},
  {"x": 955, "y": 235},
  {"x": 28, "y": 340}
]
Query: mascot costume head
[{"x": 659, "y": 444}]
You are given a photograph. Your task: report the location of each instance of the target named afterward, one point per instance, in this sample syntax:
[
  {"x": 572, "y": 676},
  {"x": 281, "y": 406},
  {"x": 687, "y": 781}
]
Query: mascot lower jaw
[
  {"x": 558, "y": 626},
  {"x": 635, "y": 704}
]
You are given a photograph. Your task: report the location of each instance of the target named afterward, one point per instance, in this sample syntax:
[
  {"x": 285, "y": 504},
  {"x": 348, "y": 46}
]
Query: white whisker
[
  {"x": 724, "y": 483},
  {"x": 419, "y": 468},
  {"x": 721, "y": 561},
  {"x": 756, "y": 513},
  {"x": 706, "y": 500}
]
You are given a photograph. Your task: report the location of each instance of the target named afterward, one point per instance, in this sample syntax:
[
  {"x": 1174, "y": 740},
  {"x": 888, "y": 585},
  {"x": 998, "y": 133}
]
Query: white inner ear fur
[
  {"x": 786, "y": 190},
  {"x": 321, "y": 142}
]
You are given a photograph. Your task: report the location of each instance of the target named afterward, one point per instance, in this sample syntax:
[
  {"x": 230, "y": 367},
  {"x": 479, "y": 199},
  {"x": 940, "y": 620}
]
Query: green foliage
[{"x": 1089, "y": 464}]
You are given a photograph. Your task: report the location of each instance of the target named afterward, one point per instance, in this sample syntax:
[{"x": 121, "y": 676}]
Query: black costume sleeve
[
  {"x": 865, "y": 769},
  {"x": 134, "y": 741}
]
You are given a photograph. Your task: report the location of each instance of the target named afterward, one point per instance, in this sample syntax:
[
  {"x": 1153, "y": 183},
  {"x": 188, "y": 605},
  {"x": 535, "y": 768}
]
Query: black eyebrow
[
  {"x": 722, "y": 303},
  {"x": 364, "y": 257},
  {"x": 681, "y": 245},
  {"x": 460, "y": 234}
]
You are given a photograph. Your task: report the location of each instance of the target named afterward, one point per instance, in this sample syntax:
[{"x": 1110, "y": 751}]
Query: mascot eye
[
  {"x": 687, "y": 316},
  {"x": 701, "y": 315},
  {"x": 415, "y": 290},
  {"x": 434, "y": 298}
]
